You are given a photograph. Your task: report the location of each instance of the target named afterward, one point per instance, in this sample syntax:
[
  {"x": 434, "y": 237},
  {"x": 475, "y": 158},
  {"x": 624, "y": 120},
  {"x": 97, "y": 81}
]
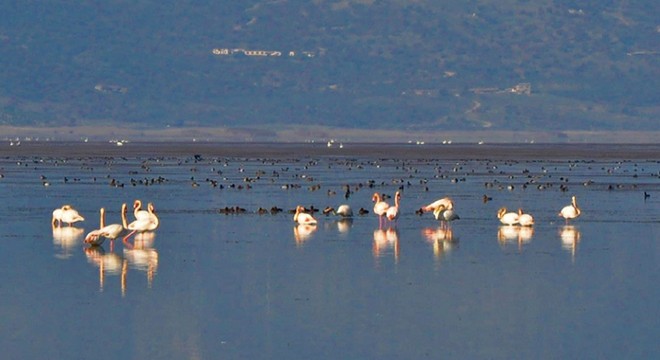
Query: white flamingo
[
  {"x": 392, "y": 212},
  {"x": 303, "y": 218},
  {"x": 112, "y": 231},
  {"x": 445, "y": 215},
  {"x": 344, "y": 211},
  {"x": 141, "y": 225},
  {"x": 446, "y": 202},
  {"x": 507, "y": 218},
  {"x": 56, "y": 220},
  {"x": 380, "y": 207},
  {"x": 69, "y": 215},
  {"x": 525, "y": 219},
  {"x": 138, "y": 212},
  {"x": 571, "y": 211}
]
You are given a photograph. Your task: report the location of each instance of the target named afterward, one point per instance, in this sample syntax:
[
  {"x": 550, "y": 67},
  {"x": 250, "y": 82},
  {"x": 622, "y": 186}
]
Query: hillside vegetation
[{"x": 402, "y": 65}]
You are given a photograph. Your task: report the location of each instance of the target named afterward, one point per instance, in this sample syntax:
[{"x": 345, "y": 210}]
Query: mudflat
[{"x": 362, "y": 150}]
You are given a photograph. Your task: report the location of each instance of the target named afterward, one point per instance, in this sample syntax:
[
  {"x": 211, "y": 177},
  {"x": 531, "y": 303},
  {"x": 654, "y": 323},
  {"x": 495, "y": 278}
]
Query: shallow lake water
[{"x": 209, "y": 285}]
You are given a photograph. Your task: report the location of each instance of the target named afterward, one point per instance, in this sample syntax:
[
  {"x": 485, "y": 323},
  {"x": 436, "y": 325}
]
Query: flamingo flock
[
  {"x": 146, "y": 222},
  {"x": 442, "y": 209}
]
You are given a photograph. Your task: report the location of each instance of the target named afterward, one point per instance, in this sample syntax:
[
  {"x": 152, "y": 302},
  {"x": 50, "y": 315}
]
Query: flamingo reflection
[
  {"x": 515, "y": 234},
  {"x": 384, "y": 240},
  {"x": 570, "y": 237},
  {"x": 108, "y": 263},
  {"x": 303, "y": 232},
  {"x": 343, "y": 225},
  {"x": 66, "y": 238},
  {"x": 442, "y": 240},
  {"x": 142, "y": 256}
]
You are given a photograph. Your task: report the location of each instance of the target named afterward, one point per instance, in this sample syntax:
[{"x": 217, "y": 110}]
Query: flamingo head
[{"x": 437, "y": 211}]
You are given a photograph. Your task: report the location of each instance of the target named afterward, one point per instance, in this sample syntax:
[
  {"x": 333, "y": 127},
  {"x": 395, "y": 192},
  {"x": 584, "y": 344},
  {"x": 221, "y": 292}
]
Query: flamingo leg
[{"x": 125, "y": 239}]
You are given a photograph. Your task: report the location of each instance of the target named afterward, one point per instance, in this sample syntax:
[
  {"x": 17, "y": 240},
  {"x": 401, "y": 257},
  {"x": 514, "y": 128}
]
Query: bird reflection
[
  {"x": 108, "y": 263},
  {"x": 66, "y": 238},
  {"x": 344, "y": 225},
  {"x": 384, "y": 240},
  {"x": 570, "y": 237},
  {"x": 303, "y": 232},
  {"x": 442, "y": 240},
  {"x": 515, "y": 234},
  {"x": 143, "y": 256},
  {"x": 526, "y": 234}
]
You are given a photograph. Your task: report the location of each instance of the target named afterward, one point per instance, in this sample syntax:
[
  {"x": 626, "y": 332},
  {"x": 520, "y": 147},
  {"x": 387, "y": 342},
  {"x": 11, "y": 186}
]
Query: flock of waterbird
[
  {"x": 146, "y": 221},
  {"x": 443, "y": 210}
]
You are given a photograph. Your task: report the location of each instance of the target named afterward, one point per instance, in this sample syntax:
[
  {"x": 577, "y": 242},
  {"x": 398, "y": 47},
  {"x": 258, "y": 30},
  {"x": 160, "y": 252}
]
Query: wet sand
[{"x": 370, "y": 150}]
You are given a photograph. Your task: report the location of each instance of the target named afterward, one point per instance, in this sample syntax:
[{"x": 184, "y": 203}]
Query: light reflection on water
[{"x": 250, "y": 285}]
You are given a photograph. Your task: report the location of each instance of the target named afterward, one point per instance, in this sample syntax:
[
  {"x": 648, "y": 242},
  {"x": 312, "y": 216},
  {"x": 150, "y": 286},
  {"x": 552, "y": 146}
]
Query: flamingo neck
[
  {"x": 124, "y": 222},
  {"x": 102, "y": 219}
]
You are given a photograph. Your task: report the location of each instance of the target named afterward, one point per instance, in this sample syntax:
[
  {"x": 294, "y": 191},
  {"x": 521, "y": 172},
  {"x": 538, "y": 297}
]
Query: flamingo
[
  {"x": 112, "y": 231},
  {"x": 69, "y": 215},
  {"x": 303, "y": 218},
  {"x": 344, "y": 211},
  {"x": 446, "y": 202},
  {"x": 138, "y": 212},
  {"x": 56, "y": 220},
  {"x": 570, "y": 211},
  {"x": 380, "y": 207},
  {"x": 140, "y": 225},
  {"x": 445, "y": 215},
  {"x": 392, "y": 212},
  {"x": 507, "y": 218},
  {"x": 525, "y": 219}
]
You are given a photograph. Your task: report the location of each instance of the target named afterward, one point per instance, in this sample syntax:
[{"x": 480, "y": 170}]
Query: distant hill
[{"x": 419, "y": 66}]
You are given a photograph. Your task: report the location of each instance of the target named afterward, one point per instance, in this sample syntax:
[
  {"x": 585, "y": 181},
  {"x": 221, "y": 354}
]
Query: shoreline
[
  {"x": 281, "y": 150},
  {"x": 320, "y": 134}
]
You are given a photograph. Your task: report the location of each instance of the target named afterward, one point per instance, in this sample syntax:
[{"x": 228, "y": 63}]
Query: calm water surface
[{"x": 208, "y": 285}]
